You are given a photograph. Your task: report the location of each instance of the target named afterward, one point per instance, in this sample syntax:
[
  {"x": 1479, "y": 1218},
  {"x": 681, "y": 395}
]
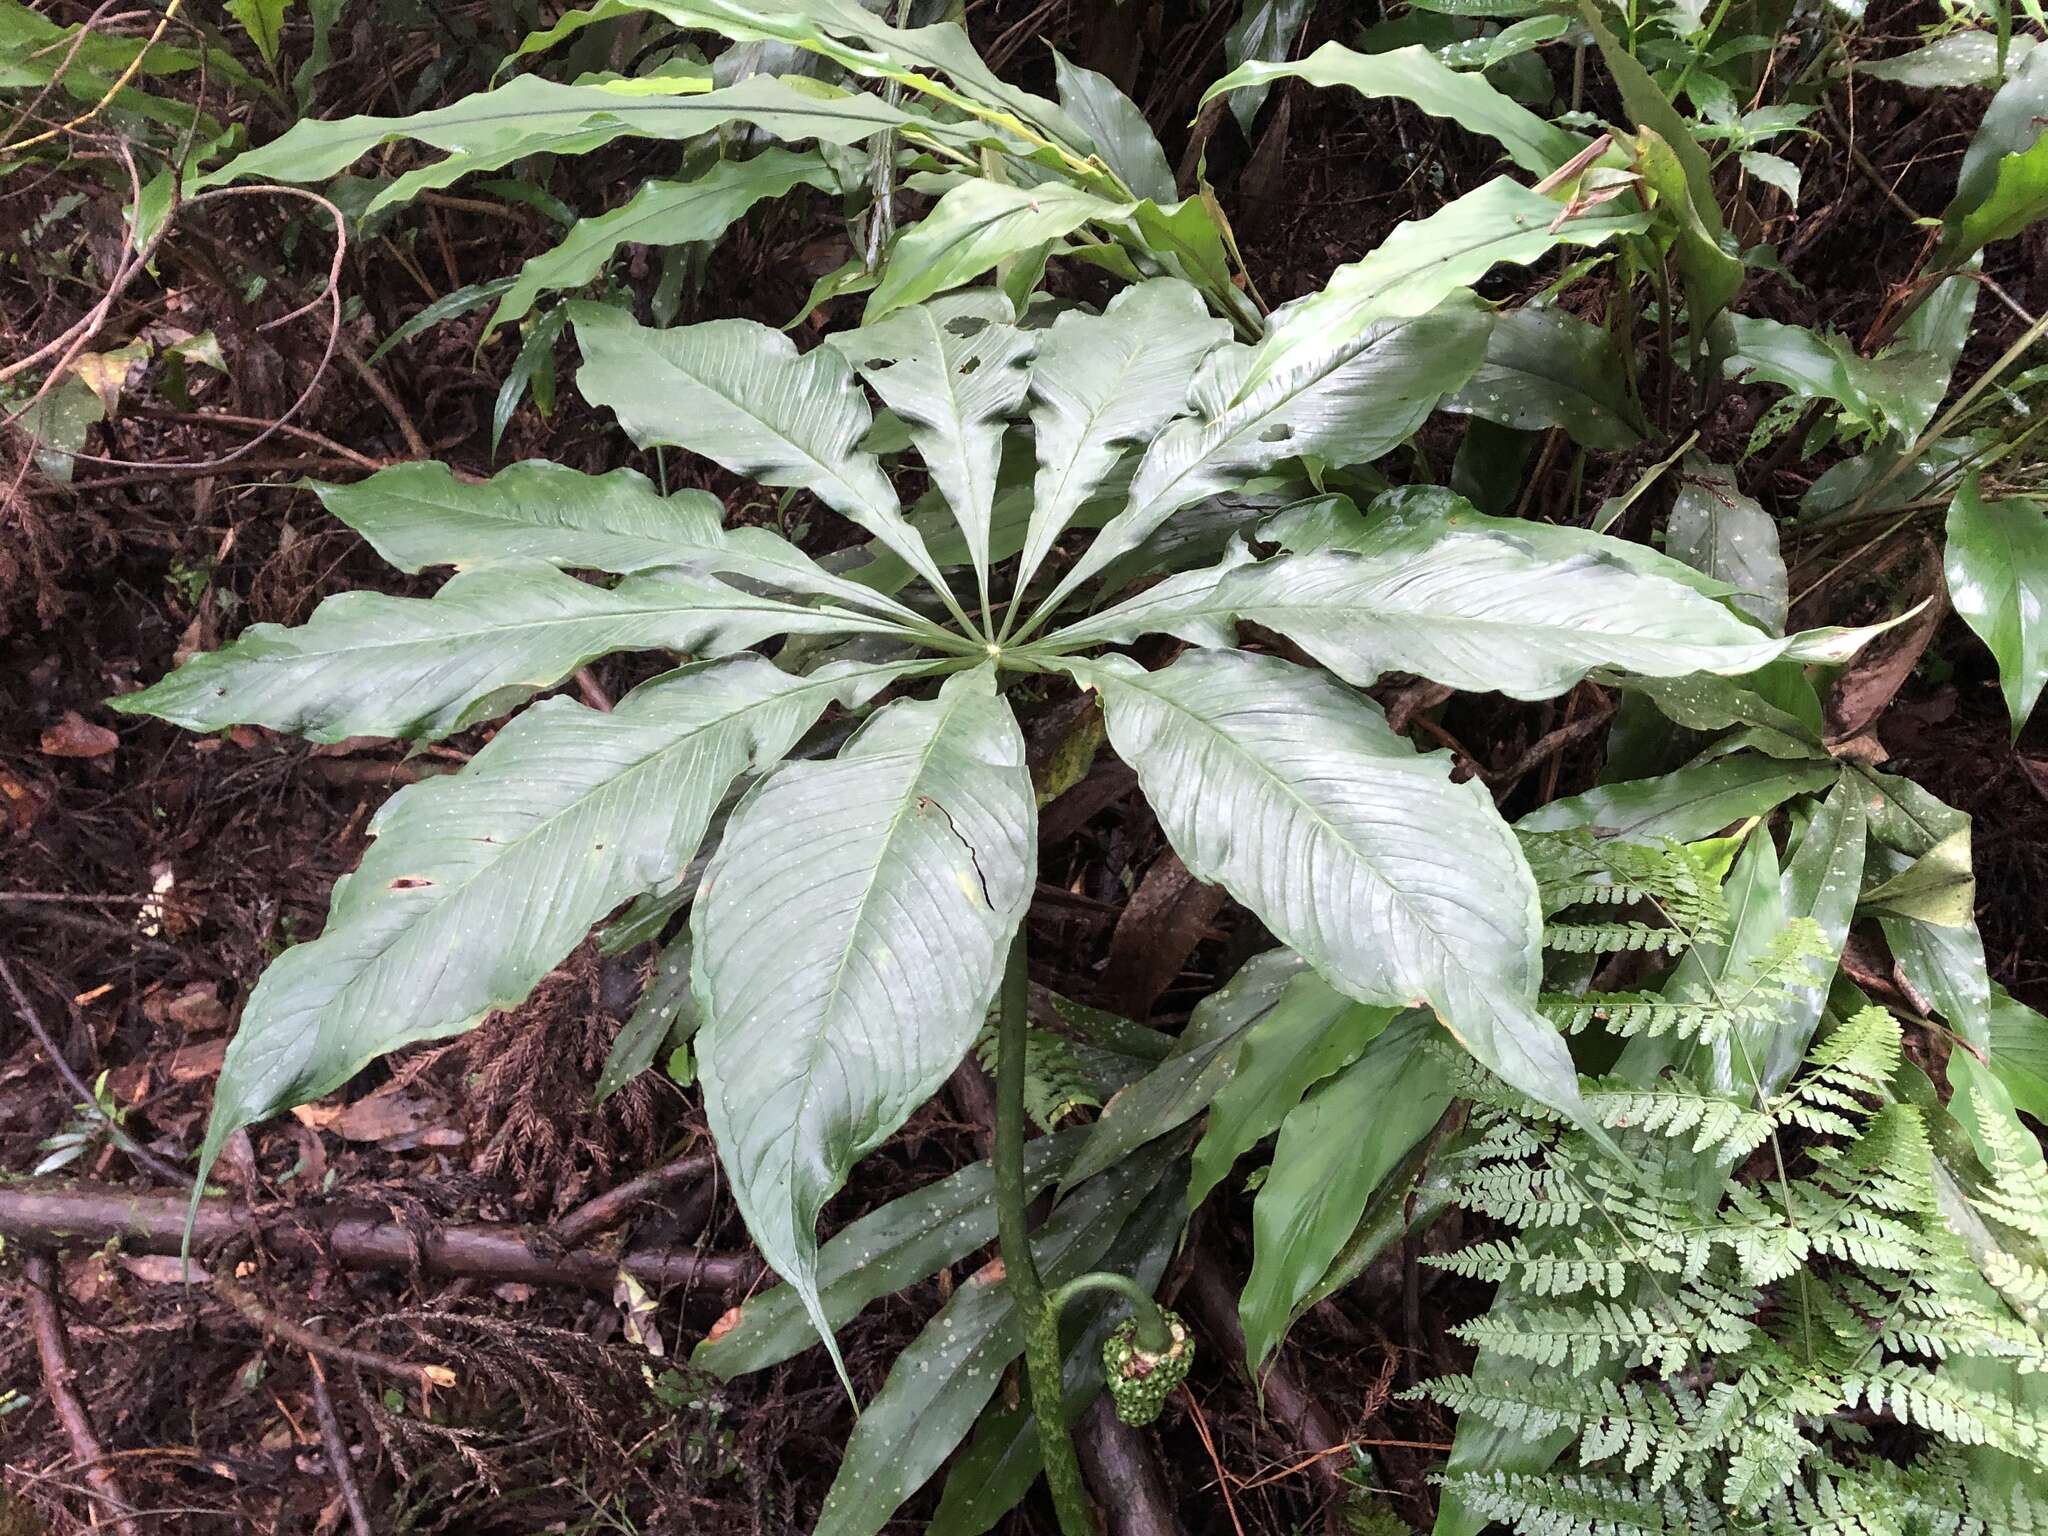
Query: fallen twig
[
  {"x": 54, "y": 1351},
  {"x": 356, "y": 1239},
  {"x": 316, "y": 1343},
  {"x": 336, "y": 1446},
  {"x": 1123, "y": 1473},
  {"x": 140, "y": 1155},
  {"x": 610, "y": 1208}
]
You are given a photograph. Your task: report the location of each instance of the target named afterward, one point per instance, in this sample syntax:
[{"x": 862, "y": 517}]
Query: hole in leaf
[
  {"x": 966, "y": 325},
  {"x": 969, "y": 366},
  {"x": 410, "y": 883},
  {"x": 1279, "y": 432}
]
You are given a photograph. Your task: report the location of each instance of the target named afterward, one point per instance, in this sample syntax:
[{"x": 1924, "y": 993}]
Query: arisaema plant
[{"x": 861, "y": 909}]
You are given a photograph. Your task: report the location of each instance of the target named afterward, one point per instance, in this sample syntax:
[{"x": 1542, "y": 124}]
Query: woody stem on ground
[{"x": 1042, "y": 1363}]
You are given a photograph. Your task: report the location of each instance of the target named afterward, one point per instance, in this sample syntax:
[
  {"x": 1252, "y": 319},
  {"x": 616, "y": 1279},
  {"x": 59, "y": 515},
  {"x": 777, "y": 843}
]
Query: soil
[{"x": 148, "y": 875}]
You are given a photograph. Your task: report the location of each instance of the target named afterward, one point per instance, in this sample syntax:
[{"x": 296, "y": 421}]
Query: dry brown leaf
[{"x": 76, "y": 736}]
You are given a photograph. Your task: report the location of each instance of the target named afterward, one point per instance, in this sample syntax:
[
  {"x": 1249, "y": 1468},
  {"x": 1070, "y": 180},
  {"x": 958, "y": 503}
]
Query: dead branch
[
  {"x": 53, "y": 1349},
  {"x": 314, "y": 1342},
  {"x": 611, "y": 1207},
  {"x": 336, "y": 1446},
  {"x": 356, "y": 1239}
]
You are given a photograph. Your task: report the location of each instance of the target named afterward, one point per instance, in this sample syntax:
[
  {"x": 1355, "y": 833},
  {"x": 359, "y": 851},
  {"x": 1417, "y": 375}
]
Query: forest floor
[{"x": 147, "y": 875}]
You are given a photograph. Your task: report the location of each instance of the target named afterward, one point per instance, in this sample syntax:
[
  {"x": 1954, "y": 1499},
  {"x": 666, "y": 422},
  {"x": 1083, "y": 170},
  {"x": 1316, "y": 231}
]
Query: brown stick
[
  {"x": 54, "y": 1351},
  {"x": 1124, "y": 1474},
  {"x": 336, "y": 1447},
  {"x": 314, "y": 1342},
  {"x": 137, "y": 1152},
  {"x": 611, "y": 1207},
  {"x": 154, "y": 1223}
]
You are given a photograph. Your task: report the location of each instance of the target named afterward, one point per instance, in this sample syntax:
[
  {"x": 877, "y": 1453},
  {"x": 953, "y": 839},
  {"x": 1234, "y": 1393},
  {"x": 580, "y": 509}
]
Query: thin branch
[
  {"x": 356, "y": 1239},
  {"x": 53, "y": 1349},
  {"x": 612, "y": 1207},
  {"x": 332, "y": 1441},
  {"x": 316, "y": 1343},
  {"x": 136, "y": 1151}
]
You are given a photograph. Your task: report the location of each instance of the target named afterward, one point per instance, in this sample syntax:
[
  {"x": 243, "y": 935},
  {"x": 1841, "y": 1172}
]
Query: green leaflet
[
  {"x": 371, "y": 665},
  {"x": 975, "y": 226},
  {"x": 1892, "y": 391},
  {"x": 531, "y": 115},
  {"x": 417, "y": 515},
  {"x": 2019, "y": 1053},
  {"x": 850, "y": 935},
  {"x": 1693, "y": 803},
  {"x": 1715, "y": 528},
  {"x": 908, "y": 1240},
  {"x": 952, "y": 370},
  {"x": 1311, "y": 1032},
  {"x": 942, "y": 1380},
  {"x": 439, "y": 925},
  {"x": 1265, "y": 32},
  {"x": 1416, "y": 75},
  {"x": 1547, "y": 368},
  {"x": 1335, "y": 1148},
  {"x": 741, "y": 395},
  {"x": 665, "y": 1013},
  {"x": 1959, "y": 58},
  {"x": 1101, "y": 382},
  {"x": 2004, "y": 175},
  {"x": 1122, "y": 137},
  {"x": 851, "y": 35},
  {"x": 1996, "y": 563},
  {"x": 660, "y": 213},
  {"x": 1187, "y": 1082},
  {"x": 1400, "y": 887},
  {"x": 1345, "y": 406},
  {"x": 1416, "y": 516},
  {"x": 1481, "y": 611},
  {"x": 1424, "y": 261}
]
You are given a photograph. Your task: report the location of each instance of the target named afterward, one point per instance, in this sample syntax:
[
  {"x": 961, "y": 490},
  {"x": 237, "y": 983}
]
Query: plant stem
[
  {"x": 1042, "y": 1362},
  {"x": 1154, "y": 1337}
]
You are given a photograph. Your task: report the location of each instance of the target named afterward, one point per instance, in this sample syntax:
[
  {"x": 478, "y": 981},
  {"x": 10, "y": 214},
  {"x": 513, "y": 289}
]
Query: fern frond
[
  {"x": 1642, "y": 1425},
  {"x": 1628, "y": 1014},
  {"x": 2017, "y": 1196},
  {"x": 1675, "y": 1106},
  {"x": 1946, "y": 1406},
  {"x": 1580, "y": 1504},
  {"x": 1612, "y": 938}
]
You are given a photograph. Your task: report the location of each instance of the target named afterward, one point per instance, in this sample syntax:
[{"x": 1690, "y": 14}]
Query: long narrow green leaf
[
  {"x": 1312, "y": 1032},
  {"x": 418, "y": 515},
  {"x": 850, "y": 935},
  {"x": 1334, "y": 1149},
  {"x": 975, "y": 226},
  {"x": 907, "y": 1240},
  {"x": 1424, "y": 261},
  {"x": 530, "y": 116},
  {"x": 953, "y": 369},
  {"x": 1996, "y": 561},
  {"x": 1103, "y": 382},
  {"x": 1417, "y": 76},
  {"x": 660, "y": 213},
  {"x": 478, "y": 884},
  {"x": 371, "y": 665},
  {"x": 1399, "y": 886},
  {"x": 1344, "y": 406},
  {"x": 741, "y": 395},
  {"x": 940, "y": 1382}
]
